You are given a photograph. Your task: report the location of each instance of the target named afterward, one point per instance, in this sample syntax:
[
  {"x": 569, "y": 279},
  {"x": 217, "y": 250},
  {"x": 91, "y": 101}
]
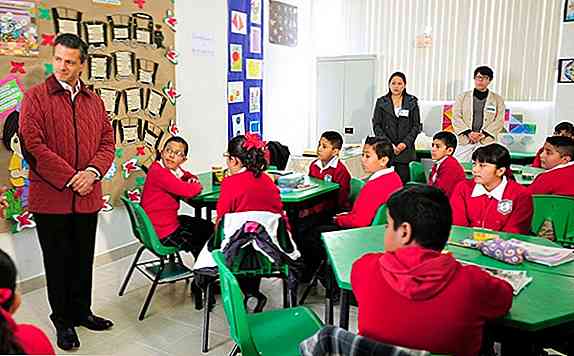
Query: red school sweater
[
  {"x": 30, "y": 338},
  {"x": 512, "y": 214},
  {"x": 556, "y": 181},
  {"x": 374, "y": 194},
  {"x": 244, "y": 191},
  {"x": 160, "y": 198},
  {"x": 423, "y": 299},
  {"x": 339, "y": 175},
  {"x": 448, "y": 174}
]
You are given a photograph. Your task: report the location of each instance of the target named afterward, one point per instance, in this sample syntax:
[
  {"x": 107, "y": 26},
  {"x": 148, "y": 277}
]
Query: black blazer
[{"x": 398, "y": 129}]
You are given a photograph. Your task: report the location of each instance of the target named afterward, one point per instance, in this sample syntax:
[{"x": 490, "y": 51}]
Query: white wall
[{"x": 565, "y": 92}]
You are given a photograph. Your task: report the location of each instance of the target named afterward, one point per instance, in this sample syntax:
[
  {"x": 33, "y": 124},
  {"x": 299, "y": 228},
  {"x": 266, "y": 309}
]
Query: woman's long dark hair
[
  {"x": 8, "y": 343},
  {"x": 403, "y": 77},
  {"x": 253, "y": 159}
]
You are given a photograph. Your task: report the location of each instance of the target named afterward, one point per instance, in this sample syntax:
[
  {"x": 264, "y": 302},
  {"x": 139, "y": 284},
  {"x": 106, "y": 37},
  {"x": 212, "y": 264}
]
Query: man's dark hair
[
  {"x": 427, "y": 210},
  {"x": 448, "y": 138},
  {"x": 70, "y": 40},
  {"x": 564, "y": 145},
  {"x": 484, "y": 71},
  {"x": 382, "y": 147},
  {"x": 564, "y": 126},
  {"x": 334, "y": 138}
]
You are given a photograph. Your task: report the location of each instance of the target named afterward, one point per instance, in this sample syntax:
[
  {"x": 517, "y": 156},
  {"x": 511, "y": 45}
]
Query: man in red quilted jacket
[{"x": 69, "y": 144}]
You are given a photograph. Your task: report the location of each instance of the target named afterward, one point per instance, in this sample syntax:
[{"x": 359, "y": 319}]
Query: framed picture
[
  {"x": 566, "y": 70},
  {"x": 569, "y": 11}
]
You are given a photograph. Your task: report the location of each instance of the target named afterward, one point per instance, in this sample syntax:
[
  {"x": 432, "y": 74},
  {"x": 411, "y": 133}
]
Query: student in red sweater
[
  {"x": 491, "y": 200},
  {"x": 412, "y": 295},
  {"x": 165, "y": 185},
  {"x": 446, "y": 171},
  {"x": 564, "y": 128},
  {"x": 17, "y": 339},
  {"x": 558, "y": 158}
]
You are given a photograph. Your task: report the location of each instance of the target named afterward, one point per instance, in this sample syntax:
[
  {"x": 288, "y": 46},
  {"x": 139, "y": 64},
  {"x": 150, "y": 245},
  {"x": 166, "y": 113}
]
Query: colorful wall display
[{"x": 283, "y": 24}]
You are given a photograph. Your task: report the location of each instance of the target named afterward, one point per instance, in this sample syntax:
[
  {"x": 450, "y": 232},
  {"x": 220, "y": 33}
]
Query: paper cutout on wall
[
  {"x": 142, "y": 28},
  {"x": 155, "y": 103},
  {"x": 236, "y": 57},
  {"x": 170, "y": 20},
  {"x": 254, "y": 69},
  {"x": 99, "y": 67},
  {"x": 120, "y": 25},
  {"x": 44, "y": 13},
  {"x": 124, "y": 63},
  {"x": 119, "y": 152},
  {"x": 111, "y": 172},
  {"x": 282, "y": 24},
  {"x": 106, "y": 204},
  {"x": 67, "y": 20},
  {"x": 234, "y": 92},
  {"x": 17, "y": 67},
  {"x": 111, "y": 98},
  {"x": 128, "y": 130},
  {"x": 146, "y": 71},
  {"x": 173, "y": 129},
  {"x": 140, "y": 150},
  {"x": 255, "y": 127},
  {"x": 169, "y": 91},
  {"x": 139, "y": 3},
  {"x": 447, "y": 118},
  {"x": 171, "y": 55},
  {"x": 254, "y": 99},
  {"x": 18, "y": 31},
  {"x": 152, "y": 135},
  {"x": 238, "y": 124},
  {"x": 129, "y": 167},
  {"x": 96, "y": 34},
  {"x": 17, "y": 166},
  {"x": 158, "y": 37},
  {"x": 11, "y": 93},
  {"x": 48, "y": 69},
  {"x": 133, "y": 98},
  {"x": 24, "y": 221},
  {"x": 48, "y": 39},
  {"x": 135, "y": 196},
  {"x": 255, "y": 40},
  {"x": 238, "y": 22},
  {"x": 256, "y": 12}
]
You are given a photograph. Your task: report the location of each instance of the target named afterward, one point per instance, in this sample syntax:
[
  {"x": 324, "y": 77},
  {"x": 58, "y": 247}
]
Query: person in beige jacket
[{"x": 478, "y": 115}]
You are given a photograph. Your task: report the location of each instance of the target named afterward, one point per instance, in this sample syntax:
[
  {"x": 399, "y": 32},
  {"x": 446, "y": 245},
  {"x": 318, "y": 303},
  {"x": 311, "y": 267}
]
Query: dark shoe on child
[
  {"x": 95, "y": 323},
  {"x": 67, "y": 338}
]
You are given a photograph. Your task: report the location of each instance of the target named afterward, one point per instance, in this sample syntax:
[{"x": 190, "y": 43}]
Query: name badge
[
  {"x": 328, "y": 178},
  {"x": 504, "y": 207},
  {"x": 403, "y": 112},
  {"x": 490, "y": 109}
]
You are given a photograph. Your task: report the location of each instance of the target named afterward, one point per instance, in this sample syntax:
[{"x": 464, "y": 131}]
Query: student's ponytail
[
  {"x": 251, "y": 151},
  {"x": 8, "y": 343}
]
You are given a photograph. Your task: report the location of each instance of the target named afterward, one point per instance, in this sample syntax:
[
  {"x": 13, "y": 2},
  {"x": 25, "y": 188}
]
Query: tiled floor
[{"x": 172, "y": 325}]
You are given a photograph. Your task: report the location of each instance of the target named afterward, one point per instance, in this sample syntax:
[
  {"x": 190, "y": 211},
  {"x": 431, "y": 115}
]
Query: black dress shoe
[
  {"x": 96, "y": 323},
  {"x": 67, "y": 338}
]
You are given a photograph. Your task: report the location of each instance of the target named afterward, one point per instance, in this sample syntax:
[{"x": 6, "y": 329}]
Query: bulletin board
[{"x": 131, "y": 65}]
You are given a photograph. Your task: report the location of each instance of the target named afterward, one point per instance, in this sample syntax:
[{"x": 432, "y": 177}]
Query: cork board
[{"x": 130, "y": 65}]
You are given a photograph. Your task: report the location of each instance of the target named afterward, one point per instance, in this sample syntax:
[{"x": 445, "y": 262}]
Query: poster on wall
[
  {"x": 566, "y": 70},
  {"x": 18, "y": 30},
  {"x": 245, "y": 67},
  {"x": 282, "y": 24},
  {"x": 568, "y": 10}
]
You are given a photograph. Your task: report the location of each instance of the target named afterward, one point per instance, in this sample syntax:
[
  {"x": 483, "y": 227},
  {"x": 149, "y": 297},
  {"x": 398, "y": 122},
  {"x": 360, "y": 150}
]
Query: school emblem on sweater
[{"x": 504, "y": 206}]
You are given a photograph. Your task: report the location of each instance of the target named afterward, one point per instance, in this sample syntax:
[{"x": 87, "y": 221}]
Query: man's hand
[
  {"x": 401, "y": 147},
  {"x": 475, "y": 137},
  {"x": 82, "y": 183}
]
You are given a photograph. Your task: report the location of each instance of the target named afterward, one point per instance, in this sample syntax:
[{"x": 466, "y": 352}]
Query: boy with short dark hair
[
  {"x": 558, "y": 158},
  {"x": 415, "y": 296},
  {"x": 564, "y": 128},
  {"x": 446, "y": 171}
]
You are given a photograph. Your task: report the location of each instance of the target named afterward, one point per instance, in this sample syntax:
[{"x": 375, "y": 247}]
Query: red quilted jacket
[{"x": 61, "y": 137}]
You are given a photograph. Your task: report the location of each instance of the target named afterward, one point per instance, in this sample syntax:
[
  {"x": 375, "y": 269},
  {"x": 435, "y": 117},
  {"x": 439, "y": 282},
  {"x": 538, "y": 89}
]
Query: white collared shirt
[
  {"x": 178, "y": 172},
  {"x": 333, "y": 162},
  {"x": 381, "y": 173},
  {"x": 437, "y": 165},
  {"x": 571, "y": 163},
  {"x": 73, "y": 91},
  {"x": 496, "y": 193}
]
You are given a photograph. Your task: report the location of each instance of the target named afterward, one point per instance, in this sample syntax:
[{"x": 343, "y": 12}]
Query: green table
[
  {"x": 542, "y": 308},
  {"x": 515, "y": 157}
]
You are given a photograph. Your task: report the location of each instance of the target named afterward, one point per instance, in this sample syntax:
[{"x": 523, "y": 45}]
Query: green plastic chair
[
  {"x": 356, "y": 184},
  {"x": 560, "y": 211},
  {"x": 381, "y": 216},
  {"x": 163, "y": 269},
  {"x": 261, "y": 267},
  {"x": 275, "y": 332},
  {"x": 467, "y": 167},
  {"x": 417, "y": 172}
]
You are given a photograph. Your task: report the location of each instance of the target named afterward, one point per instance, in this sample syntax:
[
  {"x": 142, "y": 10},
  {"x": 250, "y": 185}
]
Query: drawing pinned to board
[
  {"x": 152, "y": 135},
  {"x": 169, "y": 91},
  {"x": 155, "y": 103},
  {"x": 111, "y": 98},
  {"x": 133, "y": 98},
  {"x": 139, "y": 3},
  {"x": 11, "y": 93},
  {"x": 120, "y": 25},
  {"x": 234, "y": 92},
  {"x": 142, "y": 28},
  {"x": 18, "y": 167},
  {"x": 48, "y": 39},
  {"x": 255, "y": 127},
  {"x": 254, "y": 69},
  {"x": 140, "y": 150},
  {"x": 106, "y": 204},
  {"x": 146, "y": 71},
  {"x": 135, "y": 195},
  {"x": 18, "y": 31},
  {"x": 236, "y": 57},
  {"x": 96, "y": 34},
  {"x": 17, "y": 67},
  {"x": 256, "y": 12},
  {"x": 124, "y": 63},
  {"x": 254, "y": 99},
  {"x": 170, "y": 20},
  {"x": 171, "y": 55},
  {"x": 173, "y": 129},
  {"x": 24, "y": 221},
  {"x": 238, "y": 22},
  {"x": 255, "y": 40},
  {"x": 282, "y": 24},
  {"x": 566, "y": 70},
  {"x": 447, "y": 118},
  {"x": 67, "y": 20},
  {"x": 238, "y": 124},
  {"x": 128, "y": 131},
  {"x": 569, "y": 11},
  {"x": 130, "y": 166},
  {"x": 99, "y": 67}
]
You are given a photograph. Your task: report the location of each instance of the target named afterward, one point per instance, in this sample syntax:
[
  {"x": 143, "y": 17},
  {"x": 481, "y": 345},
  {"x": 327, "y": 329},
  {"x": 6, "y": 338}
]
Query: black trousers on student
[
  {"x": 68, "y": 242},
  {"x": 191, "y": 236}
]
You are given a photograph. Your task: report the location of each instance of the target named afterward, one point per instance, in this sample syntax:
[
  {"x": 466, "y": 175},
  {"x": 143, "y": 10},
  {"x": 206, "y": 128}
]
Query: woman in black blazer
[{"x": 397, "y": 118}]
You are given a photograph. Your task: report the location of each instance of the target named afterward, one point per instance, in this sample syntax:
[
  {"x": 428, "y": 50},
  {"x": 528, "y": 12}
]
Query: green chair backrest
[
  {"x": 232, "y": 298},
  {"x": 381, "y": 216},
  {"x": 244, "y": 257},
  {"x": 467, "y": 167},
  {"x": 356, "y": 185},
  {"x": 144, "y": 231},
  {"x": 559, "y": 210},
  {"x": 417, "y": 172}
]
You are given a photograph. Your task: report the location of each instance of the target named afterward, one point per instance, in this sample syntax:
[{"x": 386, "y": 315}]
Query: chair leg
[
  {"x": 234, "y": 351},
  {"x": 206, "y": 309},
  {"x": 312, "y": 284},
  {"x": 285, "y": 290},
  {"x": 131, "y": 271},
  {"x": 152, "y": 289}
]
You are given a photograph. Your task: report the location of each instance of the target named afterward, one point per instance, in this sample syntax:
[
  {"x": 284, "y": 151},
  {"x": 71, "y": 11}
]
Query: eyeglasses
[
  {"x": 481, "y": 77},
  {"x": 179, "y": 154}
]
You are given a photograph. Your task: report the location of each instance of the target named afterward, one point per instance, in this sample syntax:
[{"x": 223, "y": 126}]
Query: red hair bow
[
  {"x": 5, "y": 295},
  {"x": 253, "y": 141}
]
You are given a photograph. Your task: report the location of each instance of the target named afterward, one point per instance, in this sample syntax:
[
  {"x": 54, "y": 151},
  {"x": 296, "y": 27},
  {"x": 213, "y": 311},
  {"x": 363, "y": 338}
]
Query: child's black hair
[
  {"x": 448, "y": 138},
  {"x": 11, "y": 127},
  {"x": 427, "y": 210},
  {"x": 493, "y": 153},
  {"x": 177, "y": 139},
  {"x": 8, "y": 343},
  {"x": 382, "y": 147},
  {"x": 334, "y": 138},
  {"x": 253, "y": 159},
  {"x": 564, "y": 126},
  {"x": 564, "y": 145}
]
